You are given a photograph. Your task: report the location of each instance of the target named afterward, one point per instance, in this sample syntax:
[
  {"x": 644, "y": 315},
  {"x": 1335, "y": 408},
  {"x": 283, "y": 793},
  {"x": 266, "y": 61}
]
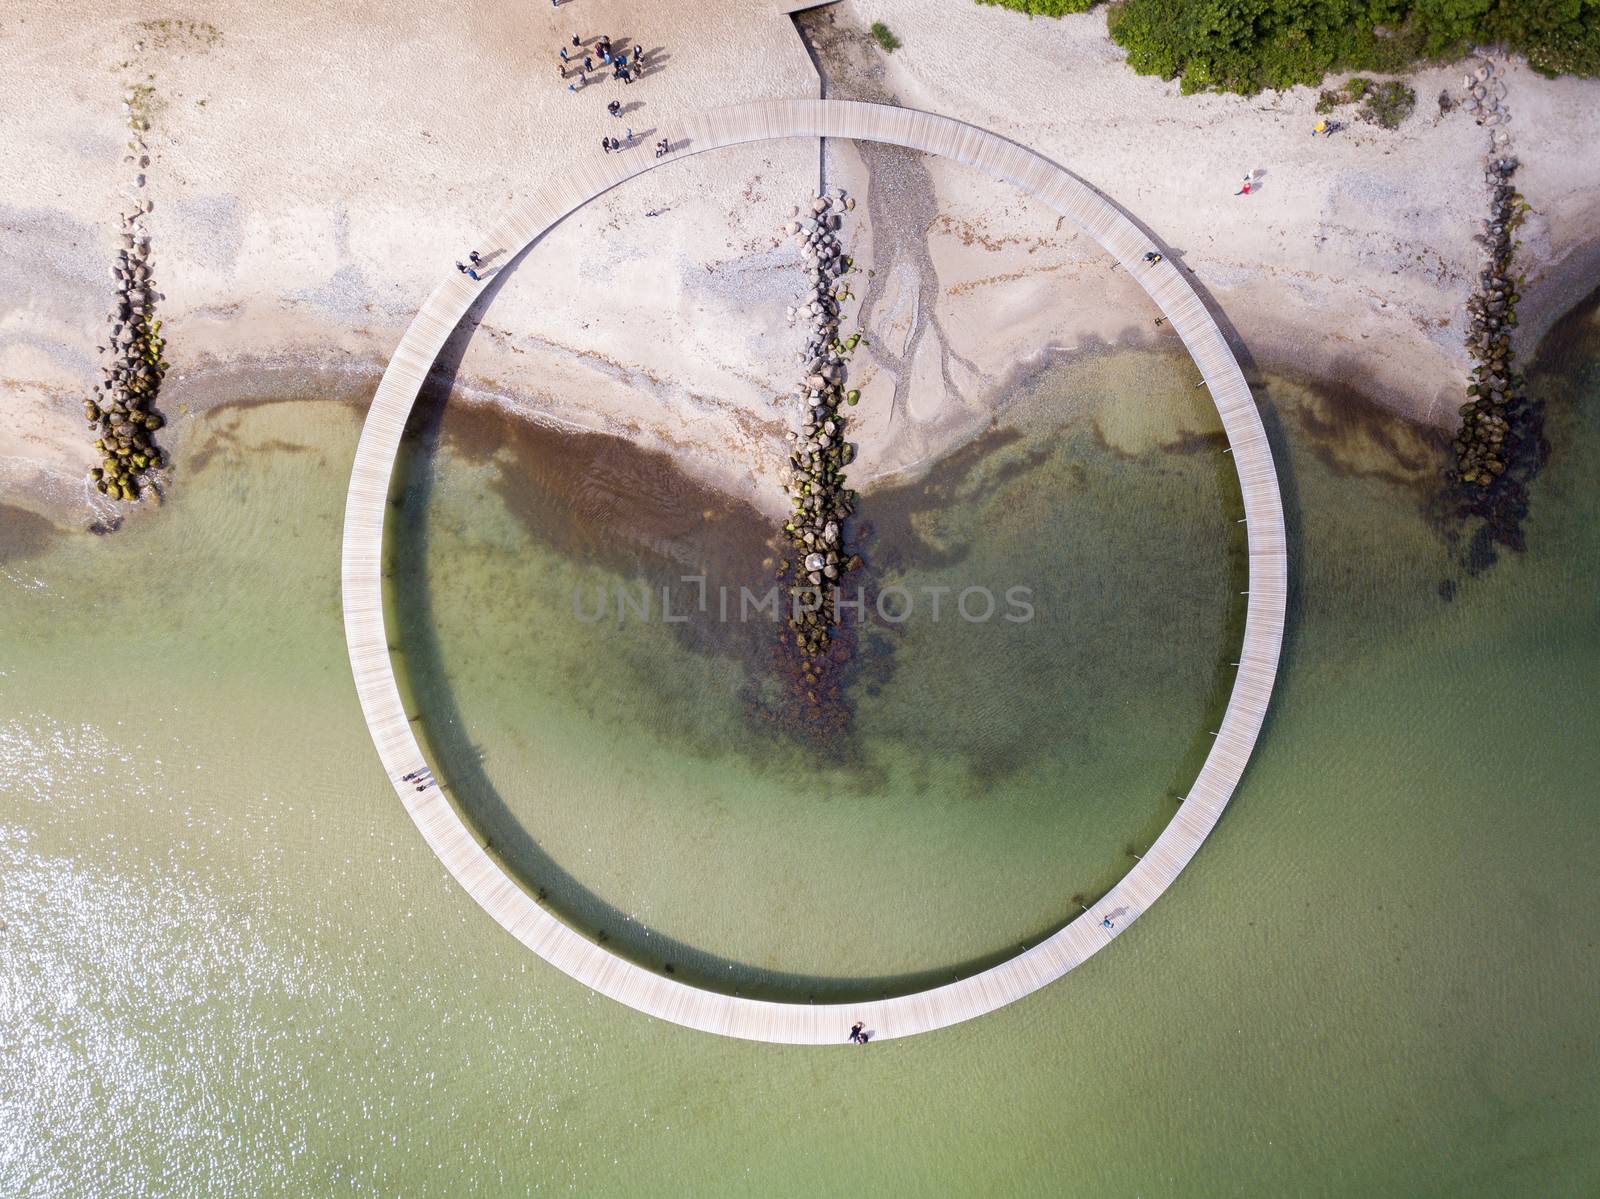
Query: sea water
[{"x": 229, "y": 965}]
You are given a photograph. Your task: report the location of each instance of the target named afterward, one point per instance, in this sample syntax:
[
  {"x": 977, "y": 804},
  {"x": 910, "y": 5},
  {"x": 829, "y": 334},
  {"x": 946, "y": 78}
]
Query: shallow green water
[
  {"x": 230, "y": 966},
  {"x": 1008, "y": 755}
]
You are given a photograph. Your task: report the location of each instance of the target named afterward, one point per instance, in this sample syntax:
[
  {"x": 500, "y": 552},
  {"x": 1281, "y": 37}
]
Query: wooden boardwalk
[{"x": 824, "y": 1024}]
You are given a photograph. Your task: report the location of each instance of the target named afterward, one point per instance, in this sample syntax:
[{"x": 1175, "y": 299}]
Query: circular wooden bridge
[{"x": 826, "y": 1024}]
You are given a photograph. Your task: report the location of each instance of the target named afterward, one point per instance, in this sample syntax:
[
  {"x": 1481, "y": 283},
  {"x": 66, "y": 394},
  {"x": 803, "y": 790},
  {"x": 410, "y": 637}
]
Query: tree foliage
[{"x": 1247, "y": 45}]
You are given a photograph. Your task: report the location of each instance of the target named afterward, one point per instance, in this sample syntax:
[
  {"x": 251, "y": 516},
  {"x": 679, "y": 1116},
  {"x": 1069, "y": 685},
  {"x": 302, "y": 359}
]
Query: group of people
[
  {"x": 624, "y": 66},
  {"x": 858, "y": 1033}
]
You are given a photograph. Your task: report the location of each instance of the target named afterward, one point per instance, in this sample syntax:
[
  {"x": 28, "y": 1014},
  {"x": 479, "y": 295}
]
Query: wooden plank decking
[{"x": 827, "y": 1024}]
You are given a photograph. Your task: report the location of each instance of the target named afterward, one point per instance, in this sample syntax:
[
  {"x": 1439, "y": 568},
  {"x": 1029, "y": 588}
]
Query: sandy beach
[{"x": 309, "y": 190}]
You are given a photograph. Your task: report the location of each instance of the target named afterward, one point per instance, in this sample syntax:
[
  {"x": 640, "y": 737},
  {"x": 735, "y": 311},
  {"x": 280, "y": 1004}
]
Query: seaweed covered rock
[{"x": 130, "y": 376}]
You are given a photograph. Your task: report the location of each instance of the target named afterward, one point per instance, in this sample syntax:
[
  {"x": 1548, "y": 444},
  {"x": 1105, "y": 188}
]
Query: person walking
[
  {"x": 638, "y": 53},
  {"x": 614, "y": 108},
  {"x": 627, "y": 138},
  {"x": 855, "y": 1031},
  {"x": 1106, "y": 923},
  {"x": 605, "y": 144},
  {"x": 467, "y": 270},
  {"x": 1152, "y": 257},
  {"x": 1244, "y": 189},
  {"x": 575, "y": 42},
  {"x": 563, "y": 54},
  {"x": 588, "y": 63}
]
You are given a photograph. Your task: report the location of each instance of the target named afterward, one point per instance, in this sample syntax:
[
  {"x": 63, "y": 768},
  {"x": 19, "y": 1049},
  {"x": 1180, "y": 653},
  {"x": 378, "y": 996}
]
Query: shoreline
[{"x": 65, "y": 502}]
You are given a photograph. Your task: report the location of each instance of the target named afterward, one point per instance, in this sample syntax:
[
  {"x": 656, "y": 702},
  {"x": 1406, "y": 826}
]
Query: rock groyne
[
  {"x": 814, "y": 545},
  {"x": 820, "y": 502},
  {"x": 1495, "y": 394},
  {"x": 1499, "y": 445},
  {"x": 122, "y": 409}
]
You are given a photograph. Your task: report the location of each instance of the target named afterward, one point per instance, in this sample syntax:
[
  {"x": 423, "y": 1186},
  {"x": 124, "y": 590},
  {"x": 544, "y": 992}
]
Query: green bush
[
  {"x": 1044, "y": 8},
  {"x": 1385, "y": 104},
  {"x": 1247, "y": 45},
  {"x": 887, "y": 40},
  {"x": 1388, "y": 104}
]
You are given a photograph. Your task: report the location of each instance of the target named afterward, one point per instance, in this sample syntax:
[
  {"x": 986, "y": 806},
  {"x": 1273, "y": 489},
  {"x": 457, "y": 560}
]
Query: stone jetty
[
  {"x": 820, "y": 503},
  {"x": 1486, "y": 438},
  {"x": 1494, "y": 398},
  {"x": 1500, "y": 445},
  {"x": 122, "y": 409}
]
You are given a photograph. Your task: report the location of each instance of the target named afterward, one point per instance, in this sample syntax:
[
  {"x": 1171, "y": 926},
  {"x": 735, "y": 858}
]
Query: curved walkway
[{"x": 458, "y": 847}]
